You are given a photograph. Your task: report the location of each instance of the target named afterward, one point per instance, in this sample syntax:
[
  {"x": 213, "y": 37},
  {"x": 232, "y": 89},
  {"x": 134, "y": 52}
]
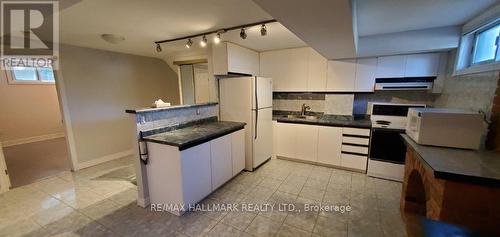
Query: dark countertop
[
  {"x": 173, "y": 107},
  {"x": 195, "y": 134},
  {"x": 325, "y": 120},
  {"x": 480, "y": 167}
]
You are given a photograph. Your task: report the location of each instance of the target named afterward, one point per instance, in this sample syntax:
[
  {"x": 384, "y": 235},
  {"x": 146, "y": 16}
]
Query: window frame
[
  {"x": 476, "y": 38},
  {"x": 12, "y": 80}
]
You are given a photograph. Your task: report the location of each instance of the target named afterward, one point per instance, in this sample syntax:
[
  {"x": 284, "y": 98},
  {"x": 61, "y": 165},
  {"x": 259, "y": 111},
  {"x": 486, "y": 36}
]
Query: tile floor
[{"x": 82, "y": 204}]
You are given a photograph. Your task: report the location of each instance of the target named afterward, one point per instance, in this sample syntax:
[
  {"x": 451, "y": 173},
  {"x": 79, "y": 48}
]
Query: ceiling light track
[{"x": 218, "y": 31}]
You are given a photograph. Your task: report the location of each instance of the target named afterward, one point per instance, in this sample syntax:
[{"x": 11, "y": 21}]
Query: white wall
[
  {"x": 28, "y": 112},
  {"x": 97, "y": 87}
]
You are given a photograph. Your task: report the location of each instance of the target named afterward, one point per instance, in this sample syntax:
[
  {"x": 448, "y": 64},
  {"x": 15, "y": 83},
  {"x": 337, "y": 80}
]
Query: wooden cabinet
[
  {"x": 238, "y": 151},
  {"x": 341, "y": 75},
  {"x": 231, "y": 58},
  {"x": 422, "y": 65},
  {"x": 222, "y": 164},
  {"x": 366, "y": 70},
  {"x": 306, "y": 142},
  {"x": 329, "y": 145},
  {"x": 391, "y": 66},
  {"x": 299, "y": 69}
]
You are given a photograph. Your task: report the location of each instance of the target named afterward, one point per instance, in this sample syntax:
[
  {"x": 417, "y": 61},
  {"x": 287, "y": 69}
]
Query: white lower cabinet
[
  {"x": 337, "y": 146},
  {"x": 238, "y": 151},
  {"x": 307, "y": 142},
  {"x": 186, "y": 177},
  {"x": 222, "y": 164},
  {"x": 329, "y": 145}
]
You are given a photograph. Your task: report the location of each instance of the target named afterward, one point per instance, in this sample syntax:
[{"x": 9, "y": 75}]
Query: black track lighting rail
[{"x": 217, "y": 31}]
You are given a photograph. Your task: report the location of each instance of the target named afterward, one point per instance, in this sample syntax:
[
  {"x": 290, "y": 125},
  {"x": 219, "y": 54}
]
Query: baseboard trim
[
  {"x": 90, "y": 163},
  {"x": 27, "y": 140},
  {"x": 143, "y": 202}
]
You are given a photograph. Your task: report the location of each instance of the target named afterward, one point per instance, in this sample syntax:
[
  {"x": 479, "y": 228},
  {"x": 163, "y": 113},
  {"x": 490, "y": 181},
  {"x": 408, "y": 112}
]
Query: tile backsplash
[{"x": 340, "y": 104}]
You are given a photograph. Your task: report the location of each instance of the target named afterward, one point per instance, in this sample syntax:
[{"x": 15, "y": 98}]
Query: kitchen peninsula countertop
[
  {"x": 480, "y": 167},
  {"x": 195, "y": 134},
  {"x": 324, "y": 119}
]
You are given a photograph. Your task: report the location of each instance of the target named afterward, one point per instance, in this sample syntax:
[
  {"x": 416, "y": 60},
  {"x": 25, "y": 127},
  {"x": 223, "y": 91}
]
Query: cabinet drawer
[
  {"x": 356, "y": 131},
  {"x": 354, "y": 161},
  {"x": 356, "y": 140},
  {"x": 355, "y": 149}
]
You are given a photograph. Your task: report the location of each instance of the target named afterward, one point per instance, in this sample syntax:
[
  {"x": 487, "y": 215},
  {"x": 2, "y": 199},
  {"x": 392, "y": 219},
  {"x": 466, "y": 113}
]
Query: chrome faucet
[{"x": 304, "y": 109}]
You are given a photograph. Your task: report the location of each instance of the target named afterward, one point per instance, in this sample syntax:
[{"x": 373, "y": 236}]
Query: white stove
[{"x": 387, "y": 150}]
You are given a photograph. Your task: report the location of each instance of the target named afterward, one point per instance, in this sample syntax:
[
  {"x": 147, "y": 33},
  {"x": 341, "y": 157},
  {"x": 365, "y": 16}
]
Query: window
[
  {"x": 486, "y": 45},
  {"x": 31, "y": 75}
]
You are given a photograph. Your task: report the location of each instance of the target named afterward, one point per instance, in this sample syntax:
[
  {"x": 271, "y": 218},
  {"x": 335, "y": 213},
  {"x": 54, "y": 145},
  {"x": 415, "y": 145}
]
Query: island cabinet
[
  {"x": 184, "y": 177},
  {"x": 337, "y": 146}
]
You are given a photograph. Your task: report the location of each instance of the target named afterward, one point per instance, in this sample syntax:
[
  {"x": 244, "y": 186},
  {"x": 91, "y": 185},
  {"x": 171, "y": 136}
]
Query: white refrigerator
[{"x": 250, "y": 100}]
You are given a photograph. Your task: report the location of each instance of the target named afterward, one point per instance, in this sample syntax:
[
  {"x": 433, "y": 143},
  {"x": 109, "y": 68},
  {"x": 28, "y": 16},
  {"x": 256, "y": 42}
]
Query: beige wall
[
  {"x": 98, "y": 86},
  {"x": 27, "y": 111}
]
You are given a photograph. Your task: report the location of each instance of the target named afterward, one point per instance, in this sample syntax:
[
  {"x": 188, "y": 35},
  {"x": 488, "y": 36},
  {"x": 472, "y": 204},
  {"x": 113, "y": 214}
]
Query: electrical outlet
[{"x": 198, "y": 112}]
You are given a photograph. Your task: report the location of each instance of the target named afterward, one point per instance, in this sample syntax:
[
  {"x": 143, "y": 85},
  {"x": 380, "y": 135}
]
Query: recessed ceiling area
[
  {"x": 142, "y": 23},
  {"x": 390, "y": 16}
]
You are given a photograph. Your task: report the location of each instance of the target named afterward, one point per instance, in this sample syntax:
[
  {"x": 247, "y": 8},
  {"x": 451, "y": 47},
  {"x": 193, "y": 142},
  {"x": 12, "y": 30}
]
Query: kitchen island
[
  {"x": 189, "y": 162},
  {"x": 452, "y": 185}
]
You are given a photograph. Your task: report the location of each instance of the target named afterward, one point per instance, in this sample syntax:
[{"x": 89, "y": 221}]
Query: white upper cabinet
[
  {"x": 231, "y": 58},
  {"x": 366, "y": 70},
  {"x": 317, "y": 67},
  {"x": 391, "y": 66},
  {"x": 299, "y": 69},
  {"x": 341, "y": 75},
  {"x": 422, "y": 65}
]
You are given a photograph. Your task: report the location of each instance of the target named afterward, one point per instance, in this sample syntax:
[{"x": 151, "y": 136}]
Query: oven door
[{"x": 387, "y": 145}]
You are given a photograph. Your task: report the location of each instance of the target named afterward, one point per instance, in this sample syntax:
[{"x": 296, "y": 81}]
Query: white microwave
[{"x": 445, "y": 127}]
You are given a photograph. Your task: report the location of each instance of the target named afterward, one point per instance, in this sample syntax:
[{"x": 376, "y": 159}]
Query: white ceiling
[
  {"x": 389, "y": 16},
  {"x": 142, "y": 23}
]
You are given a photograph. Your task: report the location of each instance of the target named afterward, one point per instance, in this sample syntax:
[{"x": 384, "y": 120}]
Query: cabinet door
[
  {"x": 288, "y": 68},
  {"x": 391, "y": 66},
  {"x": 341, "y": 75},
  {"x": 222, "y": 165},
  {"x": 307, "y": 142},
  {"x": 242, "y": 60},
  {"x": 422, "y": 65},
  {"x": 329, "y": 145},
  {"x": 286, "y": 140},
  {"x": 366, "y": 69},
  {"x": 238, "y": 151},
  {"x": 195, "y": 160},
  {"x": 316, "y": 79}
]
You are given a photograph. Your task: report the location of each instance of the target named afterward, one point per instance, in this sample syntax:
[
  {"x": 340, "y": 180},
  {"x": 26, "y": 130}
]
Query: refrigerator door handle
[{"x": 256, "y": 108}]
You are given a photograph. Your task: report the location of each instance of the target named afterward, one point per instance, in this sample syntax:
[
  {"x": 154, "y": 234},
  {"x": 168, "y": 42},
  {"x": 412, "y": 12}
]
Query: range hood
[{"x": 404, "y": 83}]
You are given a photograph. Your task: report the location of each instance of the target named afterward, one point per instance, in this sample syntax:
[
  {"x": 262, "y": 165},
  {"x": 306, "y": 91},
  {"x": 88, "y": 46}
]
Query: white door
[
  {"x": 341, "y": 75},
  {"x": 391, "y": 66},
  {"x": 422, "y": 65},
  {"x": 238, "y": 151},
  {"x": 329, "y": 145},
  {"x": 307, "y": 142},
  {"x": 222, "y": 164},
  {"x": 4, "y": 177},
  {"x": 262, "y": 135},
  {"x": 286, "y": 140},
  {"x": 366, "y": 70},
  {"x": 263, "y": 94}
]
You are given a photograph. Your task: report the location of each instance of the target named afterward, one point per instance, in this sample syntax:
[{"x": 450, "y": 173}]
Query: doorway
[
  {"x": 31, "y": 132},
  {"x": 194, "y": 83}
]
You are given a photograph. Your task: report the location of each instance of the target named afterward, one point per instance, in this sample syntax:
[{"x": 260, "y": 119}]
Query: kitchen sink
[{"x": 311, "y": 117}]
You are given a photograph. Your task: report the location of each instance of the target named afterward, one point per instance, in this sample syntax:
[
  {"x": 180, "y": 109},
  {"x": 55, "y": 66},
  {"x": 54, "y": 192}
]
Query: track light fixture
[
  {"x": 189, "y": 43},
  {"x": 217, "y": 38},
  {"x": 263, "y": 30},
  {"x": 243, "y": 34},
  {"x": 217, "y": 34},
  {"x": 158, "y": 48},
  {"x": 203, "y": 41}
]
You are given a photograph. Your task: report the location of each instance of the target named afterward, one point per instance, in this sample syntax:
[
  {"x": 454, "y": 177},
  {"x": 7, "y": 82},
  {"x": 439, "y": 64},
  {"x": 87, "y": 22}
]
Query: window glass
[
  {"x": 24, "y": 73},
  {"x": 486, "y": 46},
  {"x": 46, "y": 74}
]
